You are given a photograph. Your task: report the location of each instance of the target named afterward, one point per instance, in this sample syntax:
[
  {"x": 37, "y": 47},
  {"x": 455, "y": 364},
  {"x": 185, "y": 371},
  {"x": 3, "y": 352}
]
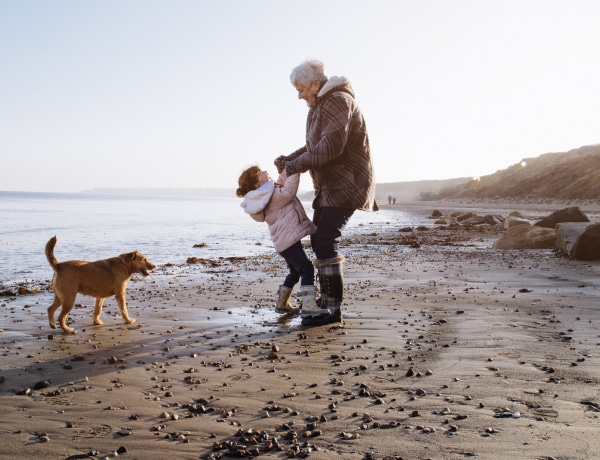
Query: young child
[{"x": 276, "y": 204}]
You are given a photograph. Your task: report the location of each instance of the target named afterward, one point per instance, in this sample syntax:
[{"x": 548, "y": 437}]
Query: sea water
[{"x": 164, "y": 228}]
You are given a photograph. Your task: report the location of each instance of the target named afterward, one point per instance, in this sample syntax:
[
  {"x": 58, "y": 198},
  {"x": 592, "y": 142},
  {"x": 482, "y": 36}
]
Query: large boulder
[
  {"x": 579, "y": 240},
  {"x": 474, "y": 220},
  {"x": 465, "y": 216},
  {"x": 493, "y": 219},
  {"x": 573, "y": 214},
  {"x": 518, "y": 214},
  {"x": 527, "y": 237},
  {"x": 513, "y": 221}
]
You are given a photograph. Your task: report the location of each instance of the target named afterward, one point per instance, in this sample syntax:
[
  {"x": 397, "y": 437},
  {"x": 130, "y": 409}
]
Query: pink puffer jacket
[{"x": 278, "y": 206}]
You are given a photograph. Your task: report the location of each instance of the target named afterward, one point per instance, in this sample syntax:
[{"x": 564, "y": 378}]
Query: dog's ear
[{"x": 131, "y": 256}]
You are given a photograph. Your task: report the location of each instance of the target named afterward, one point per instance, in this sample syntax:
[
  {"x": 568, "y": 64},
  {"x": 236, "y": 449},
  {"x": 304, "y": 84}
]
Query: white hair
[{"x": 308, "y": 71}]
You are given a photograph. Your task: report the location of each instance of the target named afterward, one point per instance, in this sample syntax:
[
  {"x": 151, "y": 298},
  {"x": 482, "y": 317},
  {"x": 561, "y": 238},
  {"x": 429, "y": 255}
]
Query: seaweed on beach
[{"x": 23, "y": 288}]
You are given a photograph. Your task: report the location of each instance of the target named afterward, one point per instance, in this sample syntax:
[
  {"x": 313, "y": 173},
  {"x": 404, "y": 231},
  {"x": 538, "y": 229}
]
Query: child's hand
[{"x": 280, "y": 163}]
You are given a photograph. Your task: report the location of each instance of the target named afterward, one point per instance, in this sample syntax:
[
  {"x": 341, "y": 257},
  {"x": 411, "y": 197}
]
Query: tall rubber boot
[
  {"x": 283, "y": 301},
  {"x": 310, "y": 309},
  {"x": 331, "y": 279}
]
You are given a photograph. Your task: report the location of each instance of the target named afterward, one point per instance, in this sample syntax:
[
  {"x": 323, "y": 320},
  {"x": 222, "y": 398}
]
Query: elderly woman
[{"x": 338, "y": 157}]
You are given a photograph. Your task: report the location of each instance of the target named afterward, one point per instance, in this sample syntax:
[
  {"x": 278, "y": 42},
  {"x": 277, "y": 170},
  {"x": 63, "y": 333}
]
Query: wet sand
[{"x": 449, "y": 349}]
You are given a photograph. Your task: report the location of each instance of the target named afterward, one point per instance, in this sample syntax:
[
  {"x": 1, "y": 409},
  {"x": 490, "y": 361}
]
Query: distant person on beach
[
  {"x": 276, "y": 204},
  {"x": 338, "y": 158},
  {"x": 389, "y": 199},
  {"x": 394, "y": 200}
]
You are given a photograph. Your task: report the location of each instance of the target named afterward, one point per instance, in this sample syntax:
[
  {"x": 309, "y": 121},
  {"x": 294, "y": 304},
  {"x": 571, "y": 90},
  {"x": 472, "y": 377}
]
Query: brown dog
[{"x": 100, "y": 279}]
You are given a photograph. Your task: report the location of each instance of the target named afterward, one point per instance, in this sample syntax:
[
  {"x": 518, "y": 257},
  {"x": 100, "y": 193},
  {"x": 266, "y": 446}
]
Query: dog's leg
[
  {"x": 64, "y": 312},
  {"x": 123, "y": 306},
  {"x": 52, "y": 309},
  {"x": 98, "y": 310}
]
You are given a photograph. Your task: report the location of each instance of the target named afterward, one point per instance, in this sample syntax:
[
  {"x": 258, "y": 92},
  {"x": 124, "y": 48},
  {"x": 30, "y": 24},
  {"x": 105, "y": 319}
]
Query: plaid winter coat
[{"x": 337, "y": 152}]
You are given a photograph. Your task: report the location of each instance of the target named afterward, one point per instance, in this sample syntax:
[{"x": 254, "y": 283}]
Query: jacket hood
[
  {"x": 336, "y": 84},
  {"x": 256, "y": 200}
]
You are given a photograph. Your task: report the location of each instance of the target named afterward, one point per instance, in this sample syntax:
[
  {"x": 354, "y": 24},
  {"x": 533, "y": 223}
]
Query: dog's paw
[
  {"x": 53, "y": 325},
  {"x": 98, "y": 321},
  {"x": 69, "y": 330},
  {"x": 129, "y": 320}
]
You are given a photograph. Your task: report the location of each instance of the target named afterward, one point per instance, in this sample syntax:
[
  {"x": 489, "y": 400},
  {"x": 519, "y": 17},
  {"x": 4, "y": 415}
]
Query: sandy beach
[{"x": 449, "y": 349}]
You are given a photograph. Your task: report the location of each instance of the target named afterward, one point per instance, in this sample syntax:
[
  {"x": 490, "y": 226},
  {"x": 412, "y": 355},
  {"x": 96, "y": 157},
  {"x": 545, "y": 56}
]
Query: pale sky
[{"x": 187, "y": 93}]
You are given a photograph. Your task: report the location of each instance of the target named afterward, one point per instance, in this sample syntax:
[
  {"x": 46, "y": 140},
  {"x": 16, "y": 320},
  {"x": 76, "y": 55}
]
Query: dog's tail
[{"x": 50, "y": 252}]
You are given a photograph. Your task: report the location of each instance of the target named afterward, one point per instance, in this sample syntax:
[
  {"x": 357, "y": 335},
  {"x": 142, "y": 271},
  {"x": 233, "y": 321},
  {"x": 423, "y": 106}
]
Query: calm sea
[{"x": 92, "y": 227}]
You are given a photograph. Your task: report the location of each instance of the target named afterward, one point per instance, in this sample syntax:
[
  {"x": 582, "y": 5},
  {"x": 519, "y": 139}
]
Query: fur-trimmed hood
[
  {"x": 256, "y": 200},
  {"x": 336, "y": 84}
]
